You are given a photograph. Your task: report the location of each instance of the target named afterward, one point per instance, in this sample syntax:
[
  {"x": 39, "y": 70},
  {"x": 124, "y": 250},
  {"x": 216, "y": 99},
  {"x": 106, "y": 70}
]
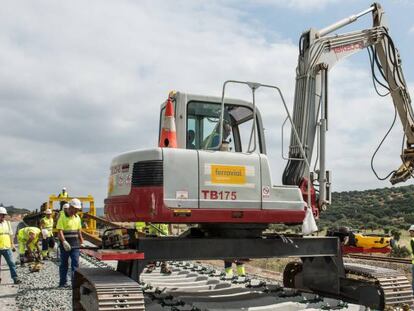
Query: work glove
[
  {"x": 82, "y": 245},
  {"x": 66, "y": 246},
  {"x": 45, "y": 234}
]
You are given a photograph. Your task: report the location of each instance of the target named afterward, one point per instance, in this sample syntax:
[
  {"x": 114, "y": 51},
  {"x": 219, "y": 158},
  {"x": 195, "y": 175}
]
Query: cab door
[{"x": 229, "y": 177}]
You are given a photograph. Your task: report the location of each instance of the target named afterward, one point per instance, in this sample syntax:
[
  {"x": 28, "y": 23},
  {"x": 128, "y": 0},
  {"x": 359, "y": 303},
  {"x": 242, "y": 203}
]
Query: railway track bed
[
  {"x": 190, "y": 287},
  {"x": 195, "y": 287},
  {"x": 199, "y": 287}
]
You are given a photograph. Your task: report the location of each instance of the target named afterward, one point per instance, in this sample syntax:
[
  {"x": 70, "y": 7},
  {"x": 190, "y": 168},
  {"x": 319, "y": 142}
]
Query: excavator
[{"x": 219, "y": 178}]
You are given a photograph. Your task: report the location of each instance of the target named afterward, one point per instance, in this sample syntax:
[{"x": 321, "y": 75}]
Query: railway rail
[{"x": 380, "y": 258}]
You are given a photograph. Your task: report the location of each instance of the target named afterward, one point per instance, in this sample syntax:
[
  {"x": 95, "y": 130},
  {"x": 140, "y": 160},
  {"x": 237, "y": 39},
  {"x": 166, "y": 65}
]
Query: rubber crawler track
[{"x": 395, "y": 286}]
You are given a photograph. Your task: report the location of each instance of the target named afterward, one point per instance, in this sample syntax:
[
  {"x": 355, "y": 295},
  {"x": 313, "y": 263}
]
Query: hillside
[
  {"x": 11, "y": 210},
  {"x": 384, "y": 208}
]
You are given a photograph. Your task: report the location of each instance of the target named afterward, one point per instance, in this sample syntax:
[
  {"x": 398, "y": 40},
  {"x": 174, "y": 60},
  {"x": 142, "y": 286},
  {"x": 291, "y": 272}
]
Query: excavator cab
[{"x": 198, "y": 124}]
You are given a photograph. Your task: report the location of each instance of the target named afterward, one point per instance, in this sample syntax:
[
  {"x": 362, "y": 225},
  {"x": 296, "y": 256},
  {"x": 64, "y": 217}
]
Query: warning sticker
[
  {"x": 228, "y": 174},
  {"x": 181, "y": 195},
  {"x": 266, "y": 192}
]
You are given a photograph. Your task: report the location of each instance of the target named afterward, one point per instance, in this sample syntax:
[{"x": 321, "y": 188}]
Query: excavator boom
[{"x": 318, "y": 53}]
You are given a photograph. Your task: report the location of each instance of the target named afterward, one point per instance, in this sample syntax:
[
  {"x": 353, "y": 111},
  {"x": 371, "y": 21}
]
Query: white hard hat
[
  {"x": 64, "y": 188},
  {"x": 75, "y": 203},
  {"x": 411, "y": 228},
  {"x": 3, "y": 210},
  {"x": 66, "y": 205},
  {"x": 48, "y": 212}
]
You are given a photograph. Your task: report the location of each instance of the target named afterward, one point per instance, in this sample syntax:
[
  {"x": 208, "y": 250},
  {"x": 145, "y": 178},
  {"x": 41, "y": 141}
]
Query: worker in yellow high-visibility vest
[
  {"x": 6, "y": 244},
  {"x": 159, "y": 230},
  {"x": 411, "y": 231},
  {"x": 63, "y": 195},
  {"x": 69, "y": 228},
  {"x": 28, "y": 239},
  {"x": 48, "y": 241},
  {"x": 140, "y": 226}
]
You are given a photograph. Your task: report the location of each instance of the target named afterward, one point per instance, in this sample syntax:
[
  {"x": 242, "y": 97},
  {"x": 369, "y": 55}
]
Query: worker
[
  {"x": 64, "y": 210},
  {"x": 241, "y": 271},
  {"x": 7, "y": 245},
  {"x": 140, "y": 226},
  {"x": 159, "y": 230},
  {"x": 411, "y": 231},
  {"x": 28, "y": 239},
  {"x": 190, "y": 139},
  {"x": 64, "y": 196},
  {"x": 69, "y": 233},
  {"x": 212, "y": 140},
  {"x": 48, "y": 241}
]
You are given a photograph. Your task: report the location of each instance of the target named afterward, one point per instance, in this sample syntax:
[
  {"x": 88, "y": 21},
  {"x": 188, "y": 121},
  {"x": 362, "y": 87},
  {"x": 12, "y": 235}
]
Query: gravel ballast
[{"x": 39, "y": 291}]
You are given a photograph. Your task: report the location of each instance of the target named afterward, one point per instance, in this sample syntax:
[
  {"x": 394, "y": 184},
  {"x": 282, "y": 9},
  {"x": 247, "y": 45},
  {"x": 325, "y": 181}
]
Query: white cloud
[
  {"x": 302, "y": 5},
  {"x": 84, "y": 83},
  {"x": 411, "y": 30}
]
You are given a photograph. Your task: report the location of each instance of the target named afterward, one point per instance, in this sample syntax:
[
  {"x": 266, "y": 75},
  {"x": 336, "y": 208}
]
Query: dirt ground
[{"x": 266, "y": 268}]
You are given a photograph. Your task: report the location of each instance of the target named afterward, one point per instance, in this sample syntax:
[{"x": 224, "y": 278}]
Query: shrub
[{"x": 400, "y": 251}]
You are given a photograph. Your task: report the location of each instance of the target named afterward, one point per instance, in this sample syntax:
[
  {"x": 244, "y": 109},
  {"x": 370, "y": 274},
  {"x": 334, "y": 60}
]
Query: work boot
[
  {"x": 17, "y": 281},
  {"x": 150, "y": 268},
  {"x": 165, "y": 269},
  {"x": 228, "y": 274},
  {"x": 241, "y": 270}
]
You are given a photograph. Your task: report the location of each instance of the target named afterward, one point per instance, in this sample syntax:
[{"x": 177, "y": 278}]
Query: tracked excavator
[{"x": 219, "y": 178}]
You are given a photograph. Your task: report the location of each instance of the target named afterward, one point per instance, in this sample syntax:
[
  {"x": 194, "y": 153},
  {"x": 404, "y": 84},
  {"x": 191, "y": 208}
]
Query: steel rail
[{"x": 380, "y": 258}]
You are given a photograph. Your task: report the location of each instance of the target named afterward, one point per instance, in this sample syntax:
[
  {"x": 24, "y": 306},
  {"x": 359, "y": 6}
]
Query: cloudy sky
[{"x": 82, "y": 81}]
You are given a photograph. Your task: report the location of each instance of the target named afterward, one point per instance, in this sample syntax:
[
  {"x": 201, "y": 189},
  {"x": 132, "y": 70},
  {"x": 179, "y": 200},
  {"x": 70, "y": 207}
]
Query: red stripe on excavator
[{"x": 147, "y": 204}]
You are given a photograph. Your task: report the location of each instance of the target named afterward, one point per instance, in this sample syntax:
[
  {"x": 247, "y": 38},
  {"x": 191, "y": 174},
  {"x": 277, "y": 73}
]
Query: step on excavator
[{"x": 217, "y": 176}]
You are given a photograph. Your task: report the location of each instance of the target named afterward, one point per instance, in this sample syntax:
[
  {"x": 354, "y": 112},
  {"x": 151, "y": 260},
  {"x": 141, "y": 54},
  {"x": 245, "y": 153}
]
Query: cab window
[{"x": 203, "y": 126}]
